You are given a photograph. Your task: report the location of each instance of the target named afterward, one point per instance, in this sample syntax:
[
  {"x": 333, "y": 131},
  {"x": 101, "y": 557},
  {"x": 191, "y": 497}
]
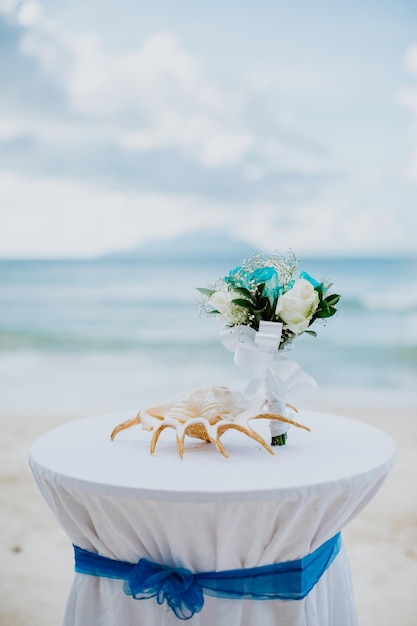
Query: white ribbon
[{"x": 270, "y": 369}]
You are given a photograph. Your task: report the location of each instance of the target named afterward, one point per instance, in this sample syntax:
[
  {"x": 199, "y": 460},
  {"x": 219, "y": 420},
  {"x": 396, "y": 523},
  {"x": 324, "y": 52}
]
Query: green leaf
[
  {"x": 244, "y": 303},
  {"x": 319, "y": 290},
  {"x": 311, "y": 332},
  {"x": 244, "y": 292},
  {"x": 333, "y": 299},
  {"x": 326, "y": 312},
  {"x": 205, "y": 292},
  {"x": 324, "y": 307},
  {"x": 263, "y": 302},
  {"x": 261, "y": 307}
]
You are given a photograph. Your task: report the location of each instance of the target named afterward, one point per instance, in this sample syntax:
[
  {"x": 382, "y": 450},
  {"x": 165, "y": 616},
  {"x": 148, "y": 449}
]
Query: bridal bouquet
[
  {"x": 270, "y": 288},
  {"x": 266, "y": 303}
]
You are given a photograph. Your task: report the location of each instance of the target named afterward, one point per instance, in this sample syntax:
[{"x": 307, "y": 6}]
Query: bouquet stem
[
  {"x": 279, "y": 440},
  {"x": 278, "y": 429}
]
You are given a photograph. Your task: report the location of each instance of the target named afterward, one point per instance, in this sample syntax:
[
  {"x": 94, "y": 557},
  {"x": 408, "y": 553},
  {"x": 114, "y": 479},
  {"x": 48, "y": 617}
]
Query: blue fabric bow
[
  {"x": 183, "y": 590},
  {"x": 176, "y": 585}
]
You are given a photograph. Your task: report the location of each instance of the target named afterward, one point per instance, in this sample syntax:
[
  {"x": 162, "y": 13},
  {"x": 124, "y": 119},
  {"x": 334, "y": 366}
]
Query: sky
[{"x": 283, "y": 124}]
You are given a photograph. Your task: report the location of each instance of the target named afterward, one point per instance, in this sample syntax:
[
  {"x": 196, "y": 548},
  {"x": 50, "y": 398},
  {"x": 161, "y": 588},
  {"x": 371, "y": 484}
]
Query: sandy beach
[{"x": 36, "y": 564}]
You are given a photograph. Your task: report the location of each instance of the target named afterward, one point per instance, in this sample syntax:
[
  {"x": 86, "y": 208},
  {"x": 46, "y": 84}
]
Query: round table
[{"x": 209, "y": 513}]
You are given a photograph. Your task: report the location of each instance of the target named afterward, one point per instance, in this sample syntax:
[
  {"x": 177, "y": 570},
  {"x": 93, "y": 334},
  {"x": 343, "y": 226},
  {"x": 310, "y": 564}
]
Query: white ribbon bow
[{"x": 257, "y": 352}]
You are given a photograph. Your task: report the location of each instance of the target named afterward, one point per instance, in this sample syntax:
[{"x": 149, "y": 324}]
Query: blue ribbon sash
[{"x": 183, "y": 590}]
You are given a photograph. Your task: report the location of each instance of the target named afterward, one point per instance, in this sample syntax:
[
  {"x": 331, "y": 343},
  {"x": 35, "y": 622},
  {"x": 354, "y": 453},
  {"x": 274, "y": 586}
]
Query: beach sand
[{"x": 36, "y": 557}]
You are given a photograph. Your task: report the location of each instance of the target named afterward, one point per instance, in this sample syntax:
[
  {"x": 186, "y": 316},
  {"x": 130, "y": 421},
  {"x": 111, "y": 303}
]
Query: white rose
[
  {"x": 229, "y": 313},
  {"x": 297, "y": 306},
  {"x": 220, "y": 300}
]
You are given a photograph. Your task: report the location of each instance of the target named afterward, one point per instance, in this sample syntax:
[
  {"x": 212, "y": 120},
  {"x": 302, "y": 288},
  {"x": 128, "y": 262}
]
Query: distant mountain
[{"x": 197, "y": 246}]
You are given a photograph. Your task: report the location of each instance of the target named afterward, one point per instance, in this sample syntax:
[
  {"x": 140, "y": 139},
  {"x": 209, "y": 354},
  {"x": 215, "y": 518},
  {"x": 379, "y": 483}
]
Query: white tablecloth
[{"x": 206, "y": 512}]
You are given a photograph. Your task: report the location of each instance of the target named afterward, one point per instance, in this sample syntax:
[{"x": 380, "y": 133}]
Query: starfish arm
[
  {"x": 246, "y": 430},
  {"x": 292, "y": 407},
  {"x": 156, "y": 434},
  {"x": 280, "y": 418},
  {"x": 205, "y": 431},
  {"x": 126, "y": 424}
]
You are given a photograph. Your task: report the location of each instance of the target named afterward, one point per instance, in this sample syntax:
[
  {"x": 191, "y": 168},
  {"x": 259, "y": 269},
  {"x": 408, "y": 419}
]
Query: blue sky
[{"x": 288, "y": 125}]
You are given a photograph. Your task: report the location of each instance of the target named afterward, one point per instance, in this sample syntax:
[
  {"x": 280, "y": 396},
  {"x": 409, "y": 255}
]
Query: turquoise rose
[
  {"x": 269, "y": 276},
  {"x": 312, "y": 281},
  {"x": 238, "y": 277},
  {"x": 264, "y": 274}
]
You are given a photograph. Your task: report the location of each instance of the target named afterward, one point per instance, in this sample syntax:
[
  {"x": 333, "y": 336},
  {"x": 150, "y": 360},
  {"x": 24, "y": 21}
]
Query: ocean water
[{"x": 84, "y": 336}]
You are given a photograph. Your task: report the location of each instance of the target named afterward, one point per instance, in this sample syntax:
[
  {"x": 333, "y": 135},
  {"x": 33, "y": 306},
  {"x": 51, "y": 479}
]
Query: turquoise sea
[{"x": 84, "y": 336}]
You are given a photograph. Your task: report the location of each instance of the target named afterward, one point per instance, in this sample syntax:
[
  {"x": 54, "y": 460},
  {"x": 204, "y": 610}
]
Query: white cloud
[
  {"x": 287, "y": 78},
  {"x": 411, "y": 59},
  {"x": 152, "y": 118},
  {"x": 153, "y": 97},
  {"x": 29, "y": 13},
  {"x": 53, "y": 217},
  {"x": 44, "y": 217},
  {"x": 328, "y": 229},
  {"x": 408, "y": 97},
  {"x": 8, "y": 6},
  {"x": 284, "y": 157}
]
